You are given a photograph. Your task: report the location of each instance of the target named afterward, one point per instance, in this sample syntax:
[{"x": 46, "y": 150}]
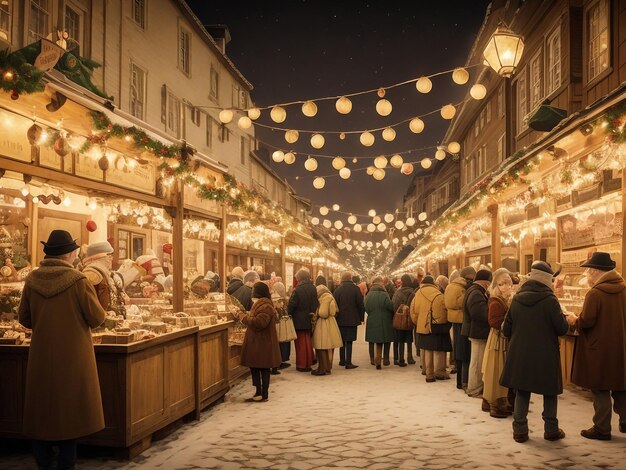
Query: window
[
  {"x": 173, "y": 114},
  {"x": 500, "y": 100},
  {"x": 209, "y": 131},
  {"x": 536, "y": 79},
  {"x": 553, "y": 61},
  {"x": 488, "y": 112},
  {"x": 501, "y": 150},
  {"x": 139, "y": 13},
  {"x": 184, "y": 53},
  {"x": 74, "y": 25},
  {"x": 195, "y": 114},
  {"x": 522, "y": 101},
  {"x": 214, "y": 84},
  {"x": 38, "y": 20},
  {"x": 598, "y": 37},
  {"x": 482, "y": 160},
  {"x": 137, "y": 91},
  {"x": 5, "y": 20},
  {"x": 239, "y": 98}
]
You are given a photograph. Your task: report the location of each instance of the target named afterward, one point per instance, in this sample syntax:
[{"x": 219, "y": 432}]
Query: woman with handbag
[
  {"x": 430, "y": 316},
  {"x": 284, "y": 326},
  {"x": 326, "y": 334},
  {"x": 404, "y": 337},
  {"x": 260, "y": 350},
  {"x": 494, "y": 394}
]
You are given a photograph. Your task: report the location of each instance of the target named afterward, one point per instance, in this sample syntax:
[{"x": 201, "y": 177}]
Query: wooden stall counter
[{"x": 145, "y": 385}]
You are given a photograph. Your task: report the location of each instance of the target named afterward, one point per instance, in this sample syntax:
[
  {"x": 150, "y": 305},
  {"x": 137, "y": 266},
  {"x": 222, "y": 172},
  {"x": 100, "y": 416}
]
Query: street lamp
[{"x": 504, "y": 51}]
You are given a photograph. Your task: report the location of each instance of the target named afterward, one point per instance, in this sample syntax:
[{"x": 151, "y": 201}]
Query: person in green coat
[{"x": 379, "y": 310}]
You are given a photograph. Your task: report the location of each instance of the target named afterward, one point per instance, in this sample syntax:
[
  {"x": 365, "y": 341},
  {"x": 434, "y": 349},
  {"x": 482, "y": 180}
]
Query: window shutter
[{"x": 164, "y": 104}]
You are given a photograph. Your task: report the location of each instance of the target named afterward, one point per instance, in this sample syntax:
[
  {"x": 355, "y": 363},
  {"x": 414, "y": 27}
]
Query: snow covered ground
[{"x": 367, "y": 418}]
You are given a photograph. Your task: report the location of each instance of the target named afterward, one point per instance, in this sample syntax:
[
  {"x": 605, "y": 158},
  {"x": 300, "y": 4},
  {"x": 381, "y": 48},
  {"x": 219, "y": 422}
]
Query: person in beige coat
[
  {"x": 326, "y": 335},
  {"x": 428, "y": 309},
  {"x": 62, "y": 400}
]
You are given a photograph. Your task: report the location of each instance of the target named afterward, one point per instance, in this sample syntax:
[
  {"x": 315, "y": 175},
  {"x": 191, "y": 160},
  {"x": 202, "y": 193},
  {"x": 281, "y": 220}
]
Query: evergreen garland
[{"x": 17, "y": 75}]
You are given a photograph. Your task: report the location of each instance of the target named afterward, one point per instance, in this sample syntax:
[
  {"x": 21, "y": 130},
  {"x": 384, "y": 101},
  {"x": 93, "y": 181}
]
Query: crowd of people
[{"x": 497, "y": 331}]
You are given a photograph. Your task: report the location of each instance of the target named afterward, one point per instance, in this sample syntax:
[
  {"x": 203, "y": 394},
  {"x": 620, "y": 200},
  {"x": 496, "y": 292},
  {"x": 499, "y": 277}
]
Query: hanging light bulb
[
  {"x": 67, "y": 201},
  {"x": 225, "y": 116},
  {"x": 278, "y": 156},
  {"x": 327, "y": 223},
  {"x": 292, "y": 136},
  {"x": 378, "y": 174},
  {"x": 422, "y": 217},
  {"x": 388, "y": 218},
  {"x": 25, "y": 190},
  {"x": 315, "y": 221},
  {"x": 290, "y": 158},
  {"x": 338, "y": 163},
  {"x": 384, "y": 107},
  {"x": 396, "y": 161},
  {"x": 244, "y": 122},
  {"x": 389, "y": 134},
  {"x": 317, "y": 141},
  {"x": 478, "y": 91},
  {"x": 454, "y": 147},
  {"x": 324, "y": 210},
  {"x": 309, "y": 108},
  {"x": 319, "y": 182},
  {"x": 343, "y": 105},
  {"x": 352, "y": 219},
  {"x": 370, "y": 170},
  {"x": 423, "y": 84},
  {"x": 440, "y": 154},
  {"x": 336, "y": 207},
  {"x": 338, "y": 224},
  {"x": 345, "y": 173},
  {"x": 278, "y": 114},
  {"x": 448, "y": 111},
  {"x": 371, "y": 213},
  {"x": 355, "y": 160},
  {"x": 93, "y": 205},
  {"x": 310, "y": 164},
  {"x": 426, "y": 163},
  {"x": 380, "y": 162},
  {"x": 399, "y": 225},
  {"x": 371, "y": 228},
  {"x": 254, "y": 113},
  {"x": 460, "y": 76},
  {"x": 367, "y": 139},
  {"x": 357, "y": 228},
  {"x": 410, "y": 222},
  {"x": 416, "y": 125},
  {"x": 381, "y": 227}
]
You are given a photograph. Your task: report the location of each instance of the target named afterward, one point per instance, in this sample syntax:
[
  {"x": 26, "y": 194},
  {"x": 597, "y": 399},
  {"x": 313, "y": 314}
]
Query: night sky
[{"x": 297, "y": 50}]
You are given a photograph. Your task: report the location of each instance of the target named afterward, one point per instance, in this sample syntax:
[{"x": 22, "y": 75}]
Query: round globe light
[
  {"x": 388, "y": 218},
  {"x": 380, "y": 162},
  {"x": 367, "y": 139},
  {"x": 426, "y": 163},
  {"x": 349, "y": 247},
  {"x": 376, "y": 219},
  {"x": 292, "y": 136},
  {"x": 338, "y": 163},
  {"x": 389, "y": 134},
  {"x": 338, "y": 224},
  {"x": 454, "y": 147},
  {"x": 244, "y": 122},
  {"x": 384, "y": 107},
  {"x": 278, "y": 156},
  {"x": 317, "y": 141},
  {"x": 371, "y": 228},
  {"x": 396, "y": 161},
  {"x": 357, "y": 228},
  {"x": 371, "y": 213},
  {"x": 315, "y": 221},
  {"x": 377, "y": 244},
  {"x": 399, "y": 224},
  {"x": 440, "y": 154},
  {"x": 422, "y": 217},
  {"x": 345, "y": 173},
  {"x": 310, "y": 164},
  {"x": 410, "y": 222},
  {"x": 290, "y": 158},
  {"x": 309, "y": 108},
  {"x": 319, "y": 182},
  {"x": 336, "y": 207},
  {"x": 416, "y": 125},
  {"x": 478, "y": 91},
  {"x": 278, "y": 114},
  {"x": 370, "y": 170},
  {"x": 327, "y": 223},
  {"x": 341, "y": 245},
  {"x": 395, "y": 241},
  {"x": 423, "y": 84},
  {"x": 352, "y": 219},
  {"x": 460, "y": 76},
  {"x": 225, "y": 116},
  {"x": 406, "y": 169},
  {"x": 324, "y": 210},
  {"x": 254, "y": 113},
  {"x": 381, "y": 227},
  {"x": 419, "y": 231},
  {"x": 448, "y": 111},
  {"x": 343, "y": 105},
  {"x": 378, "y": 174}
]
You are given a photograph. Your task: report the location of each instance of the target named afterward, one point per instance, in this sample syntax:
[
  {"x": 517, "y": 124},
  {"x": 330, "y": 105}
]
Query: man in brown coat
[
  {"x": 62, "y": 400},
  {"x": 600, "y": 352}
]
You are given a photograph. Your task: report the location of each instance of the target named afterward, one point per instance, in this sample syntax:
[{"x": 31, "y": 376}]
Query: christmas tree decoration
[
  {"x": 91, "y": 226},
  {"x": 103, "y": 163},
  {"x": 61, "y": 146},
  {"x": 34, "y": 134},
  {"x": 15, "y": 95}
]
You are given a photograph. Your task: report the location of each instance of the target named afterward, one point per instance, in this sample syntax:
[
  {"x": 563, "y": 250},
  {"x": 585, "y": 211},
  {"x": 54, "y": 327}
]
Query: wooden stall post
[
  {"x": 177, "y": 213},
  {"x": 283, "y": 260},
  {"x": 496, "y": 255},
  {"x": 623, "y": 267},
  {"x": 222, "y": 249}
]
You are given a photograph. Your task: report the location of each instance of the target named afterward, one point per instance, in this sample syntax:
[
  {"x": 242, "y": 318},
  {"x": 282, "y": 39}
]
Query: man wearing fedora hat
[
  {"x": 62, "y": 401},
  {"x": 599, "y": 362}
]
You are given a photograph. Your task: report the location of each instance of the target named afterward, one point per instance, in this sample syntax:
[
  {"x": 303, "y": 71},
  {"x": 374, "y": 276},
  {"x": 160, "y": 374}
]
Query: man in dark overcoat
[
  {"x": 302, "y": 305},
  {"x": 351, "y": 314},
  {"x": 533, "y": 362},
  {"x": 599, "y": 362}
]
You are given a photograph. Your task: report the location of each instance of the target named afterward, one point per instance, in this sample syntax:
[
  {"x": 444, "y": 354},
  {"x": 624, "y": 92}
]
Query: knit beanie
[
  {"x": 468, "y": 271},
  {"x": 541, "y": 271},
  {"x": 279, "y": 288},
  {"x": 251, "y": 276},
  {"x": 428, "y": 280},
  {"x": 238, "y": 272},
  {"x": 260, "y": 290},
  {"x": 483, "y": 275}
]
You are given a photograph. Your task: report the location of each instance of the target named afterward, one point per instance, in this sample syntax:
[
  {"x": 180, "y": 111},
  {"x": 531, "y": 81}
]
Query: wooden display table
[{"x": 145, "y": 385}]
